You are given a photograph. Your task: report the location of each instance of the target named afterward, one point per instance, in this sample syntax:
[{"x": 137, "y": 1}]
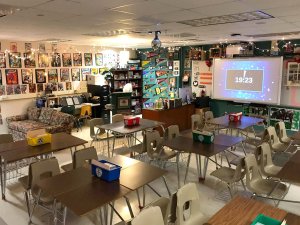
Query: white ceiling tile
[
  {"x": 283, "y": 11},
  {"x": 269, "y": 4},
  {"x": 189, "y": 4}
]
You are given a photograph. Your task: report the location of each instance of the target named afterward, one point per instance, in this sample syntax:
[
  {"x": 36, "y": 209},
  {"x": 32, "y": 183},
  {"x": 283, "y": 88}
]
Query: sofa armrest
[
  {"x": 55, "y": 129},
  {"x": 16, "y": 118}
]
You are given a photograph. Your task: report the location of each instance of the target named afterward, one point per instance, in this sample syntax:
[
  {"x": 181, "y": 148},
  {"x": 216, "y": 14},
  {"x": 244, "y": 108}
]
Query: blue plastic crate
[
  {"x": 107, "y": 175},
  {"x": 265, "y": 220}
]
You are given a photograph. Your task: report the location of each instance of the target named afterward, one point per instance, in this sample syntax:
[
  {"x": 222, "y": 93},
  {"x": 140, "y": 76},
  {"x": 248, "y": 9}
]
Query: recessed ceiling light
[
  {"x": 232, "y": 18},
  {"x": 235, "y": 35},
  {"x": 40, "y": 15}
]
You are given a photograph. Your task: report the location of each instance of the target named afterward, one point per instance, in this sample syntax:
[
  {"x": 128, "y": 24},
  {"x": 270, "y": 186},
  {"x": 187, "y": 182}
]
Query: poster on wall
[
  {"x": 66, "y": 59},
  {"x": 55, "y": 60},
  {"x": 43, "y": 60},
  {"x": 2, "y": 90},
  {"x": 28, "y": 47},
  {"x": 11, "y": 76},
  {"x": 68, "y": 86},
  {"x": 27, "y": 76},
  {"x": 84, "y": 72},
  {"x": 99, "y": 59},
  {"x": 54, "y": 47},
  {"x": 52, "y": 76},
  {"x": 29, "y": 60},
  {"x": 13, "y": 47},
  {"x": 60, "y": 87},
  {"x": 77, "y": 59},
  {"x": 64, "y": 74},
  {"x": 42, "y": 47},
  {"x": 88, "y": 59},
  {"x": 94, "y": 71},
  {"x": 0, "y": 77},
  {"x": 9, "y": 90},
  {"x": 32, "y": 88},
  {"x": 17, "y": 89},
  {"x": 2, "y": 60},
  {"x": 14, "y": 60},
  {"x": 40, "y": 87},
  {"x": 75, "y": 73},
  {"x": 40, "y": 76},
  {"x": 176, "y": 66}
]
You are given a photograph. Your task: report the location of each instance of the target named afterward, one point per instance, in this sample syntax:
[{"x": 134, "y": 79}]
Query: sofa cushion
[
  {"x": 45, "y": 116},
  {"x": 26, "y": 125},
  {"x": 59, "y": 118},
  {"x": 33, "y": 113}
]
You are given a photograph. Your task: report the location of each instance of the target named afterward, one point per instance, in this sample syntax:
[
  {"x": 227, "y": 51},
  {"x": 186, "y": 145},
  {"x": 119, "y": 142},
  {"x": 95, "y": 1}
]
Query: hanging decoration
[{"x": 156, "y": 43}]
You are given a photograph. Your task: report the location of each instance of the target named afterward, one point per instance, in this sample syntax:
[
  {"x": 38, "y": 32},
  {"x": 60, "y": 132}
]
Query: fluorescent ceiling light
[{"x": 232, "y": 18}]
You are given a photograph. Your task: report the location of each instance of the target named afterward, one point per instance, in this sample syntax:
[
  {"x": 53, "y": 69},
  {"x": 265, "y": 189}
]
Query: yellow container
[{"x": 38, "y": 137}]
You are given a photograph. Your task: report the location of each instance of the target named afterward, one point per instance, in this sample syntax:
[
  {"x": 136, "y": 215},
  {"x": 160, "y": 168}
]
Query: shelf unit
[{"x": 134, "y": 76}]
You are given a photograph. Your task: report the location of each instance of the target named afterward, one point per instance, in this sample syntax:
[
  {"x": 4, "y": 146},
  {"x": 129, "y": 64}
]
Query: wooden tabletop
[
  {"x": 120, "y": 128},
  {"x": 290, "y": 171},
  {"x": 140, "y": 174},
  {"x": 296, "y": 136},
  {"x": 15, "y": 151},
  {"x": 121, "y": 160},
  {"x": 242, "y": 211},
  {"x": 246, "y": 121}
]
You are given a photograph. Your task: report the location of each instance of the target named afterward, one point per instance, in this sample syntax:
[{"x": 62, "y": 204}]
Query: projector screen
[{"x": 253, "y": 80}]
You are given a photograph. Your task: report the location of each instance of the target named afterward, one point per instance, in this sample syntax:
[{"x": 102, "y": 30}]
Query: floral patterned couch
[{"x": 37, "y": 118}]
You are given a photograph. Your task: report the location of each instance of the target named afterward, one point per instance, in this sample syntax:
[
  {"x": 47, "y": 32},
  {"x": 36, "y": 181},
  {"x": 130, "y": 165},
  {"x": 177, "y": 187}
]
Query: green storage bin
[
  {"x": 203, "y": 137},
  {"x": 261, "y": 219}
]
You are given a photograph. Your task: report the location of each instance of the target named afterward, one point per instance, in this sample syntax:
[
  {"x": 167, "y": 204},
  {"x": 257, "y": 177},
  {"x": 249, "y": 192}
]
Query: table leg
[
  {"x": 113, "y": 147},
  {"x": 129, "y": 207},
  {"x": 64, "y": 215},
  {"x": 178, "y": 175},
  {"x": 112, "y": 206},
  {"x": 101, "y": 215},
  {"x": 204, "y": 169},
  {"x": 187, "y": 167},
  {"x": 107, "y": 138},
  {"x": 3, "y": 177},
  {"x": 243, "y": 146},
  {"x": 144, "y": 196},
  {"x": 166, "y": 184},
  {"x": 138, "y": 196},
  {"x": 54, "y": 212}
]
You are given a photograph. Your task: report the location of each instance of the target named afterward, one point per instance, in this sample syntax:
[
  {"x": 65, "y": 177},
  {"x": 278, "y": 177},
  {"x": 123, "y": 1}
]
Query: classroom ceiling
[{"x": 126, "y": 23}]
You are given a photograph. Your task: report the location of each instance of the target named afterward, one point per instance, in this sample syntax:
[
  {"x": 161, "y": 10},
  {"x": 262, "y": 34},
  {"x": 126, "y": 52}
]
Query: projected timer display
[{"x": 246, "y": 80}]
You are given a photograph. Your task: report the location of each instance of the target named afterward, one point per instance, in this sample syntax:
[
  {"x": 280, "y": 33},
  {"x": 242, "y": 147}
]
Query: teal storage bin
[
  {"x": 203, "y": 137},
  {"x": 265, "y": 220}
]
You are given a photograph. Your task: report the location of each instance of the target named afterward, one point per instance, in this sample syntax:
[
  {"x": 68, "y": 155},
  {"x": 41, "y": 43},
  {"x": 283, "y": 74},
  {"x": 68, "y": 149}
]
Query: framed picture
[
  {"x": 0, "y": 77},
  {"x": 77, "y": 59},
  {"x": 11, "y": 76},
  {"x": 55, "y": 60},
  {"x": 94, "y": 71},
  {"x": 14, "y": 60},
  {"x": 54, "y": 87},
  {"x": 32, "y": 88},
  {"x": 42, "y": 47},
  {"x": 13, "y": 47},
  {"x": 66, "y": 59},
  {"x": 84, "y": 72},
  {"x": 64, "y": 74},
  {"x": 88, "y": 59},
  {"x": 40, "y": 76},
  {"x": 123, "y": 102},
  {"x": 2, "y": 60},
  {"x": 23, "y": 89},
  {"x": 27, "y": 76},
  {"x": 99, "y": 59},
  {"x": 43, "y": 60},
  {"x": 52, "y": 76},
  {"x": 17, "y": 89},
  {"x": 29, "y": 60},
  {"x": 75, "y": 74},
  {"x": 60, "y": 87},
  {"x": 68, "y": 86},
  {"x": 28, "y": 47},
  {"x": 2, "y": 90},
  {"x": 9, "y": 89},
  {"x": 40, "y": 87}
]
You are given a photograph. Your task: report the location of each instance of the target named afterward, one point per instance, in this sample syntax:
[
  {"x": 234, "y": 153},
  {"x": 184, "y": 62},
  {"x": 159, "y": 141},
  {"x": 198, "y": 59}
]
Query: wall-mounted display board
[{"x": 290, "y": 117}]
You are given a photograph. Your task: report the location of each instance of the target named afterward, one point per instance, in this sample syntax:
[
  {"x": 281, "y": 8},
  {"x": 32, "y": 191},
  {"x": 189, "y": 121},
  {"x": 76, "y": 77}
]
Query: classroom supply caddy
[
  {"x": 203, "y": 136},
  {"x": 261, "y": 219},
  {"x": 235, "y": 117},
  {"x": 131, "y": 120},
  {"x": 105, "y": 170},
  {"x": 38, "y": 137}
]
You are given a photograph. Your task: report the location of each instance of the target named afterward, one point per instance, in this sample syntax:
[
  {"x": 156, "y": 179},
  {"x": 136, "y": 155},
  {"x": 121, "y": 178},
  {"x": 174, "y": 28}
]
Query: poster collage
[{"x": 43, "y": 71}]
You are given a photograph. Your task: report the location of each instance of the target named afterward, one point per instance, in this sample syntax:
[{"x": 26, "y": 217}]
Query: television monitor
[
  {"x": 250, "y": 80},
  {"x": 185, "y": 94}
]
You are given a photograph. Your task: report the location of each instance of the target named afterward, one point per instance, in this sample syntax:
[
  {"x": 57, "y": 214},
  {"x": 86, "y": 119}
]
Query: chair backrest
[
  {"x": 252, "y": 172},
  {"x": 197, "y": 121},
  {"x": 69, "y": 109},
  {"x": 153, "y": 143},
  {"x": 239, "y": 170},
  {"x": 81, "y": 156},
  {"x": 264, "y": 157},
  {"x": 188, "y": 205},
  {"x": 6, "y": 138},
  {"x": 150, "y": 216},
  {"x": 42, "y": 169},
  {"x": 208, "y": 115},
  {"x": 172, "y": 132},
  {"x": 93, "y": 123},
  {"x": 281, "y": 130},
  {"x": 86, "y": 110},
  {"x": 117, "y": 118},
  {"x": 273, "y": 138}
]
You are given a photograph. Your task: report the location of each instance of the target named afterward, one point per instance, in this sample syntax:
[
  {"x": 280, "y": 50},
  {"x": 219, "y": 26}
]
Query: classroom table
[
  {"x": 290, "y": 171},
  {"x": 15, "y": 151},
  {"x": 296, "y": 136},
  {"x": 242, "y": 211},
  {"x": 188, "y": 145},
  {"x": 121, "y": 129},
  {"x": 81, "y": 192}
]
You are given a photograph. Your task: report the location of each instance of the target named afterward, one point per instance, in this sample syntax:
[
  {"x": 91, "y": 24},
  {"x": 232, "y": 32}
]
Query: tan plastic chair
[
  {"x": 172, "y": 132},
  {"x": 37, "y": 171},
  {"x": 117, "y": 118},
  {"x": 274, "y": 142},
  {"x": 259, "y": 186},
  {"x": 6, "y": 138},
  {"x": 264, "y": 157},
  {"x": 81, "y": 156},
  {"x": 197, "y": 122},
  {"x": 208, "y": 115},
  {"x": 188, "y": 206},
  {"x": 230, "y": 176},
  {"x": 151, "y": 215},
  {"x": 281, "y": 131}
]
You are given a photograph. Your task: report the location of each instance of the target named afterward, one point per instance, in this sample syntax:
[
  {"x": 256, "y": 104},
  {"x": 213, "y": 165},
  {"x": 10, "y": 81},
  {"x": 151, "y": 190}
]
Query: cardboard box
[
  {"x": 38, "y": 137},
  {"x": 131, "y": 120},
  {"x": 235, "y": 117}
]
